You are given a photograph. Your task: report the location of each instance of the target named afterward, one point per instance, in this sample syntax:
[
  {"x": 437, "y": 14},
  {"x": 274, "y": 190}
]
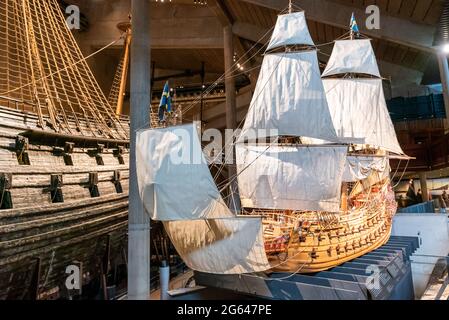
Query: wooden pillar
[
  {"x": 444, "y": 76},
  {"x": 231, "y": 122},
  {"x": 138, "y": 220},
  {"x": 424, "y": 190},
  {"x": 231, "y": 112}
]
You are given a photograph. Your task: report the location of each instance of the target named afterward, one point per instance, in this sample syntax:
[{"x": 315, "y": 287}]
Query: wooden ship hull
[
  {"x": 64, "y": 202},
  {"x": 63, "y": 160},
  {"x": 309, "y": 242}
]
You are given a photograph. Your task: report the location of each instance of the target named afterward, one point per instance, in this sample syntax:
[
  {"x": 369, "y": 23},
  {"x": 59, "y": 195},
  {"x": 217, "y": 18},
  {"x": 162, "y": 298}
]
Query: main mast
[{"x": 289, "y": 98}]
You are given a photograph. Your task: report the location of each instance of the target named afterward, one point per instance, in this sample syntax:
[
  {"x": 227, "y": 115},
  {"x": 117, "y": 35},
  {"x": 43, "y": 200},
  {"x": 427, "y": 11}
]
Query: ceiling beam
[
  {"x": 182, "y": 33},
  {"x": 393, "y": 29},
  {"x": 399, "y": 75},
  {"x": 251, "y": 32},
  {"x": 174, "y": 26},
  {"x": 221, "y": 11}
]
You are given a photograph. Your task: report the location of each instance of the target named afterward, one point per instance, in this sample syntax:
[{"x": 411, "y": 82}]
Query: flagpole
[{"x": 351, "y": 30}]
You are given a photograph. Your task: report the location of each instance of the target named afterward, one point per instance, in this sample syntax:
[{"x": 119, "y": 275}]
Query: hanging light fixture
[{"x": 442, "y": 33}]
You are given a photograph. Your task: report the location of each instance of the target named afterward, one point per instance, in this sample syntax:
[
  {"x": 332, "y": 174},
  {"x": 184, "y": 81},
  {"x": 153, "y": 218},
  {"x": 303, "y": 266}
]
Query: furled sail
[
  {"x": 359, "y": 168},
  {"x": 224, "y": 246},
  {"x": 359, "y": 112},
  {"x": 290, "y": 177},
  {"x": 176, "y": 187},
  {"x": 289, "y": 97},
  {"x": 355, "y": 56},
  {"x": 290, "y": 29},
  {"x": 174, "y": 180}
]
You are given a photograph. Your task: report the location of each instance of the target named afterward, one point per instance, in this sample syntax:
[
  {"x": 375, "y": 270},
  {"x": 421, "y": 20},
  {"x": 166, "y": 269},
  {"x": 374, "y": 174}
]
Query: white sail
[
  {"x": 359, "y": 112},
  {"x": 174, "y": 180},
  {"x": 290, "y": 29},
  {"x": 222, "y": 246},
  {"x": 359, "y": 168},
  {"x": 289, "y": 97},
  {"x": 352, "y": 56},
  {"x": 290, "y": 177}
]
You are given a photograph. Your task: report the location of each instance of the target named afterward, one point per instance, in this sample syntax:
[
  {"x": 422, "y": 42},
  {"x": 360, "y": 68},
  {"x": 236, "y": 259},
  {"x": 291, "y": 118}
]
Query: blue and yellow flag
[
  {"x": 165, "y": 105},
  {"x": 353, "y": 24}
]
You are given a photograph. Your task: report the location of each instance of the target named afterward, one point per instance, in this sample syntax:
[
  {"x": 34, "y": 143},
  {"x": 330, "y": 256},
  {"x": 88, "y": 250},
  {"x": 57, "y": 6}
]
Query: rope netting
[
  {"x": 115, "y": 88},
  {"x": 42, "y": 70}
]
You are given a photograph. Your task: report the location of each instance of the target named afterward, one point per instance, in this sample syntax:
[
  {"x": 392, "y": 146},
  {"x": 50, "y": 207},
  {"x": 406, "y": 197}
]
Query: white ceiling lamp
[{"x": 445, "y": 48}]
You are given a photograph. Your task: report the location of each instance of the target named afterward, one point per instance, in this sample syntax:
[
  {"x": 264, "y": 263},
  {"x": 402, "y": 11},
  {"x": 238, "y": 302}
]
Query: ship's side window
[
  {"x": 57, "y": 196},
  {"x": 93, "y": 185},
  {"x": 5, "y": 193},
  {"x": 116, "y": 180},
  {"x": 118, "y": 187},
  {"x": 99, "y": 155},
  {"x": 99, "y": 159},
  {"x": 21, "y": 147},
  {"x": 56, "y": 188}
]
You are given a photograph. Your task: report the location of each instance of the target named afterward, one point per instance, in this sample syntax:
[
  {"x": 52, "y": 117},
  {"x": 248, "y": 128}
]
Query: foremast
[{"x": 289, "y": 108}]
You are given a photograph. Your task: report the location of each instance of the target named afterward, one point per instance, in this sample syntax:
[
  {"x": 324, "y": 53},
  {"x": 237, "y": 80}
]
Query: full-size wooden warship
[
  {"x": 312, "y": 166},
  {"x": 63, "y": 157}
]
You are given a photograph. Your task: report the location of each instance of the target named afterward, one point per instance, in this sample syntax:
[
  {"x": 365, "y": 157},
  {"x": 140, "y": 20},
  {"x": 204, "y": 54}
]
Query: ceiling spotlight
[{"x": 445, "y": 48}]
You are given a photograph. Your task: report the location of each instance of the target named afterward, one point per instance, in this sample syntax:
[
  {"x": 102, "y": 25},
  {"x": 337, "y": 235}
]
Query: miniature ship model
[
  {"x": 312, "y": 166},
  {"x": 63, "y": 157},
  {"x": 325, "y": 192}
]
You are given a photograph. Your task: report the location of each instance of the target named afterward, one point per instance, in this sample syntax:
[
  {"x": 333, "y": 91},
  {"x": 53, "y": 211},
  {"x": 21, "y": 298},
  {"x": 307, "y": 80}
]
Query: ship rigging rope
[
  {"x": 230, "y": 71},
  {"x": 1, "y": 199},
  {"x": 232, "y": 143},
  {"x": 403, "y": 172},
  {"x": 241, "y": 122},
  {"x": 63, "y": 69},
  {"x": 43, "y": 70},
  {"x": 236, "y": 64},
  {"x": 221, "y": 79}
]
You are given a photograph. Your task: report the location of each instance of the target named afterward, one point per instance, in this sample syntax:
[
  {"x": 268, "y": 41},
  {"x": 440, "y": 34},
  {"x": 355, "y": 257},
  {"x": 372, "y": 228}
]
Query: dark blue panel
[
  {"x": 414, "y": 108},
  {"x": 380, "y": 255},
  {"x": 404, "y": 288},
  {"x": 372, "y": 260},
  {"x": 348, "y": 270}
]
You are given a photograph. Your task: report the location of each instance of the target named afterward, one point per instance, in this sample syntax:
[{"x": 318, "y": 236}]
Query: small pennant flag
[
  {"x": 165, "y": 104},
  {"x": 353, "y": 24}
]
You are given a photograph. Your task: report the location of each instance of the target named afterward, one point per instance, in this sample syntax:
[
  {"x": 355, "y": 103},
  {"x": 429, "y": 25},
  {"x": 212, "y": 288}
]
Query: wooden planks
[{"x": 56, "y": 233}]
